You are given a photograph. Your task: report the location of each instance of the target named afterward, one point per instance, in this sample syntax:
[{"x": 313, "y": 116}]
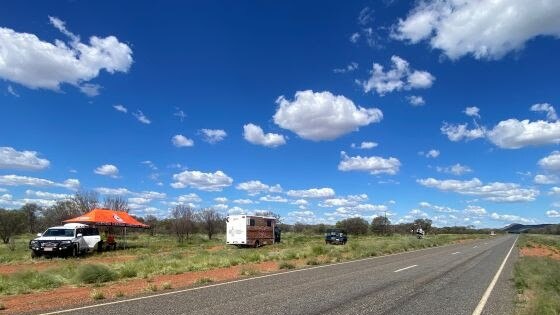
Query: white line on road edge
[
  {"x": 406, "y": 268},
  {"x": 484, "y": 299},
  {"x": 455, "y": 253},
  {"x": 237, "y": 281},
  {"x": 475, "y": 246}
]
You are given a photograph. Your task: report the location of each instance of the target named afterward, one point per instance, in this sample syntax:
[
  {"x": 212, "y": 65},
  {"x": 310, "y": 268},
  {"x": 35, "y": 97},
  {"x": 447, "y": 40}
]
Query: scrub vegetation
[
  {"x": 148, "y": 256},
  {"x": 537, "y": 275}
]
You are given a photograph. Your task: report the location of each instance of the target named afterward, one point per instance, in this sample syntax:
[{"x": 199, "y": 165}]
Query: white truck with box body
[{"x": 254, "y": 231}]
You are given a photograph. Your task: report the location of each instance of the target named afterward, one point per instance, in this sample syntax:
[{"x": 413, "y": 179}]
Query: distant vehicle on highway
[
  {"x": 492, "y": 233},
  {"x": 71, "y": 239},
  {"x": 254, "y": 231},
  {"x": 336, "y": 236}
]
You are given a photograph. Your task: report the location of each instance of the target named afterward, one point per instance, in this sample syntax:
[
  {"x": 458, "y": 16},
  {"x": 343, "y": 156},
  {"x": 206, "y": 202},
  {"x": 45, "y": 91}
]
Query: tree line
[{"x": 32, "y": 218}]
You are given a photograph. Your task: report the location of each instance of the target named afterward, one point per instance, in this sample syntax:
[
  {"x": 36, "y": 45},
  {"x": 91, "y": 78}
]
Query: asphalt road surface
[{"x": 445, "y": 280}]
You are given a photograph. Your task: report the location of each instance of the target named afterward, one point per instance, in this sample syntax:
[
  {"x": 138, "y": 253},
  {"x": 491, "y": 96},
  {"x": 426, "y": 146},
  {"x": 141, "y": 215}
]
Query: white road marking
[
  {"x": 405, "y": 268},
  {"x": 236, "y": 281},
  {"x": 484, "y": 299},
  {"x": 475, "y": 246},
  {"x": 455, "y": 253}
]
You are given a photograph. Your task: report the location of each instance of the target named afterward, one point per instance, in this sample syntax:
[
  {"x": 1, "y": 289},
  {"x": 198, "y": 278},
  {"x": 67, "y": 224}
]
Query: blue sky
[{"x": 318, "y": 111}]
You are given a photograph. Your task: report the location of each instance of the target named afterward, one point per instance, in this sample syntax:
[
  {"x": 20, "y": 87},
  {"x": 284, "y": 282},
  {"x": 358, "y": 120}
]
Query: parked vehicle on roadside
[
  {"x": 71, "y": 239},
  {"x": 254, "y": 231},
  {"x": 336, "y": 236}
]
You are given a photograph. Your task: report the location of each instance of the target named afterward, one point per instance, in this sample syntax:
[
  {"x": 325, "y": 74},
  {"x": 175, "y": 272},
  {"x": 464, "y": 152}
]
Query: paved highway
[{"x": 447, "y": 280}]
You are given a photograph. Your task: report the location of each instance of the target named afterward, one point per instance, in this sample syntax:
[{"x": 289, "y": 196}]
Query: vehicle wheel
[
  {"x": 35, "y": 254},
  {"x": 257, "y": 244}
]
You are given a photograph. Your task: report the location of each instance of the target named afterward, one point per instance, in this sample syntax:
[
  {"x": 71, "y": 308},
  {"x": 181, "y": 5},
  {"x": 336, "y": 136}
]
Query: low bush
[
  {"x": 204, "y": 281},
  {"x": 97, "y": 295},
  {"x": 286, "y": 265},
  {"x": 94, "y": 273}
]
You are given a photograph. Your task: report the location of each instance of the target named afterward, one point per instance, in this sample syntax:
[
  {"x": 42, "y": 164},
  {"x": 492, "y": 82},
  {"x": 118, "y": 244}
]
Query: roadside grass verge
[
  {"x": 537, "y": 279},
  {"x": 161, "y": 255}
]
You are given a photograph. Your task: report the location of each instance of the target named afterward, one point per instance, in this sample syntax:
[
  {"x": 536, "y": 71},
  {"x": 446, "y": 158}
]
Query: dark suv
[{"x": 336, "y": 236}]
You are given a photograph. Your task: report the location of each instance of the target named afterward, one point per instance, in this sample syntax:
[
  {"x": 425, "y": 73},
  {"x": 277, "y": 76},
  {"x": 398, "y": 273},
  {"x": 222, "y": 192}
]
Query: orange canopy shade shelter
[{"x": 109, "y": 218}]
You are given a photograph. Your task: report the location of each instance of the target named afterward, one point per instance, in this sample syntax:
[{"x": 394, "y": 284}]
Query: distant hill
[{"x": 520, "y": 228}]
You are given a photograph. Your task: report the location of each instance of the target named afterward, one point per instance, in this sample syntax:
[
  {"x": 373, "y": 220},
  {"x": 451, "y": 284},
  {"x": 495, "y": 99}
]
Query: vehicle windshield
[
  {"x": 335, "y": 233},
  {"x": 59, "y": 232}
]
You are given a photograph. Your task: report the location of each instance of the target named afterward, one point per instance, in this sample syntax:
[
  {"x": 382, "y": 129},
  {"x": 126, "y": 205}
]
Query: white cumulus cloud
[
  {"x": 496, "y": 191},
  {"x": 107, "y": 170},
  {"x": 141, "y": 117},
  {"x": 255, "y": 135},
  {"x": 36, "y": 63},
  {"x": 458, "y": 132},
  {"x": 120, "y": 108},
  {"x": 472, "y": 111},
  {"x": 16, "y": 180},
  {"x": 553, "y": 214},
  {"x": 312, "y": 193},
  {"x": 456, "y": 169},
  {"x": 542, "y": 179},
  {"x": 483, "y": 29},
  {"x": 372, "y": 164},
  {"x": 181, "y": 141},
  {"x": 10, "y": 158},
  {"x": 322, "y": 116},
  {"x": 399, "y": 77},
  {"x": 415, "y": 100},
  {"x": 365, "y": 145},
  {"x": 269, "y": 198},
  {"x": 213, "y": 135},
  {"x": 547, "y": 108},
  {"x": 551, "y": 162},
  {"x": 203, "y": 181},
  {"x": 515, "y": 134}
]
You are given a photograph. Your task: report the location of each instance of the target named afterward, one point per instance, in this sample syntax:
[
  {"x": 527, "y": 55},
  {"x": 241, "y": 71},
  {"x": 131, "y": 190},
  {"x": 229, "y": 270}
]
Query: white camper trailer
[{"x": 247, "y": 230}]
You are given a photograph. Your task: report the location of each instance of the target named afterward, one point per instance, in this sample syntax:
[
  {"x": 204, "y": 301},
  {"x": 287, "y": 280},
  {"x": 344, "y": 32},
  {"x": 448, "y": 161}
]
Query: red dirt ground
[
  {"x": 541, "y": 251},
  {"x": 42, "y": 265},
  {"x": 74, "y": 296}
]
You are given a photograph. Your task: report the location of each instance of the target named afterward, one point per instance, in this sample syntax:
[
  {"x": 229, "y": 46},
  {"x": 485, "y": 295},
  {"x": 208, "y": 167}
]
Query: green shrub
[
  {"x": 2, "y": 307},
  {"x": 286, "y": 265},
  {"x": 248, "y": 271},
  {"x": 318, "y": 250},
  {"x": 204, "y": 280},
  {"x": 312, "y": 262},
  {"x": 128, "y": 271},
  {"x": 94, "y": 273},
  {"x": 166, "y": 286},
  {"x": 152, "y": 287},
  {"x": 119, "y": 294}
]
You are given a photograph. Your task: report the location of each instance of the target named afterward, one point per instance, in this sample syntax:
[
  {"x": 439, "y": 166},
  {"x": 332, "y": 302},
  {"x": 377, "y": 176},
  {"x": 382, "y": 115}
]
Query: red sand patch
[
  {"x": 74, "y": 296},
  {"x": 541, "y": 251}
]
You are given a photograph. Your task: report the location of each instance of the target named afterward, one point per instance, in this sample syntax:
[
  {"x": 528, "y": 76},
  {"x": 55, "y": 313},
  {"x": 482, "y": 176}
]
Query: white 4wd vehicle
[{"x": 70, "y": 239}]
